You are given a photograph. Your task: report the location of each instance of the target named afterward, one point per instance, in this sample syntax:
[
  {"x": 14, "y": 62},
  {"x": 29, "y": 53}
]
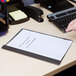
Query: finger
[
  {"x": 70, "y": 26},
  {"x": 73, "y": 28},
  {"x": 68, "y": 29},
  {"x": 72, "y": 23}
]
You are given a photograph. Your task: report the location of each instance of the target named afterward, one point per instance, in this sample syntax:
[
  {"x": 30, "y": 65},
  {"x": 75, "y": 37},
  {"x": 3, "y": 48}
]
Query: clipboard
[{"x": 39, "y": 45}]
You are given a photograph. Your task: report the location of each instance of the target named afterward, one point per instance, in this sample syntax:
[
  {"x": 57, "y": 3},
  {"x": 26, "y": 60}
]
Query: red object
[{"x": 2, "y": 0}]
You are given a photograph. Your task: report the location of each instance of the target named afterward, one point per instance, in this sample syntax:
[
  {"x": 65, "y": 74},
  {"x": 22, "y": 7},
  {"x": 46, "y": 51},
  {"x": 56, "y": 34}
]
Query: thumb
[
  {"x": 69, "y": 29},
  {"x": 71, "y": 26}
]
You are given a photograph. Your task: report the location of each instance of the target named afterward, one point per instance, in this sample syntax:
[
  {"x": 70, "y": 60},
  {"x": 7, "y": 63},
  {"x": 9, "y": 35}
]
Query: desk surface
[{"x": 14, "y": 64}]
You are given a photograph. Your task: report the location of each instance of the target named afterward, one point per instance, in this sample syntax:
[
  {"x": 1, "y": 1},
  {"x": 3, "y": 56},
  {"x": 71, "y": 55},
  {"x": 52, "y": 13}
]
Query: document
[{"x": 38, "y": 45}]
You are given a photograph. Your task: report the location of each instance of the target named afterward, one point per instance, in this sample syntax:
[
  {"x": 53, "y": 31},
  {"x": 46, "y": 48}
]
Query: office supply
[
  {"x": 73, "y": 1},
  {"x": 62, "y": 19},
  {"x": 14, "y": 2},
  {"x": 2, "y": 0},
  {"x": 5, "y": 0},
  {"x": 18, "y": 15},
  {"x": 33, "y": 12},
  {"x": 54, "y": 5},
  {"x": 4, "y": 23},
  {"x": 13, "y": 7},
  {"x": 39, "y": 45}
]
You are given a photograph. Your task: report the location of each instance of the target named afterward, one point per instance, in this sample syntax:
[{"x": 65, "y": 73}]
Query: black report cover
[{"x": 39, "y": 45}]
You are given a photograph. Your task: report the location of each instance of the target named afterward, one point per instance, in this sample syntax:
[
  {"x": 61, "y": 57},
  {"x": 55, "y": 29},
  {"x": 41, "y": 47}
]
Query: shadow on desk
[{"x": 71, "y": 70}]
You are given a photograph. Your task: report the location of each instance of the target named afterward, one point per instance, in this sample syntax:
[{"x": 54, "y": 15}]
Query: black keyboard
[{"x": 62, "y": 19}]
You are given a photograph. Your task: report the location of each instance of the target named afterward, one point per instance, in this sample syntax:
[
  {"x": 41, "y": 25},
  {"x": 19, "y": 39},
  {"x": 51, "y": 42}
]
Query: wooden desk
[{"x": 14, "y": 64}]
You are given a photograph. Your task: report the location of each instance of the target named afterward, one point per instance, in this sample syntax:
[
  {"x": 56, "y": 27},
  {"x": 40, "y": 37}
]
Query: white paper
[{"x": 41, "y": 44}]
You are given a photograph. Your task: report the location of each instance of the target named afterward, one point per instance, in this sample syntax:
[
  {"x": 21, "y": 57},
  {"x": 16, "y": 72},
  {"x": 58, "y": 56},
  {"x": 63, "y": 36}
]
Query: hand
[{"x": 71, "y": 26}]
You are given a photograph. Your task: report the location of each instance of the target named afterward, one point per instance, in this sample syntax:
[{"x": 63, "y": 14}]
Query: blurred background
[{"x": 28, "y": 2}]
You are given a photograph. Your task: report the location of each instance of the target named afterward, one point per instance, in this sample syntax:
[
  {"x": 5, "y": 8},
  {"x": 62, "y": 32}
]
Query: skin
[{"x": 71, "y": 26}]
